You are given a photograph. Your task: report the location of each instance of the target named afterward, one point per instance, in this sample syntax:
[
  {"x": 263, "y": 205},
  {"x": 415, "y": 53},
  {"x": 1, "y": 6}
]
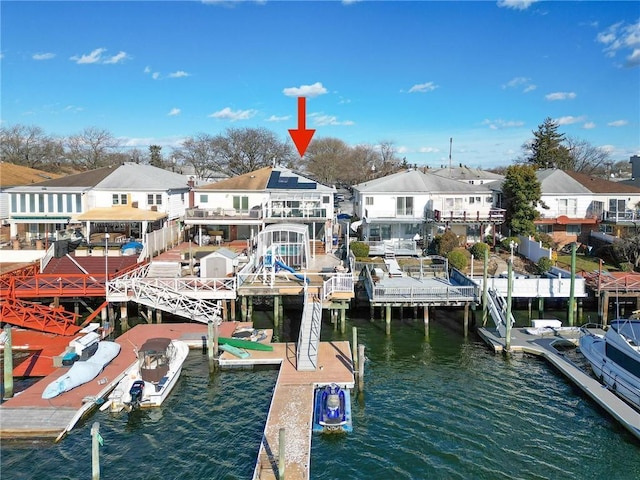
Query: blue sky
[{"x": 484, "y": 73}]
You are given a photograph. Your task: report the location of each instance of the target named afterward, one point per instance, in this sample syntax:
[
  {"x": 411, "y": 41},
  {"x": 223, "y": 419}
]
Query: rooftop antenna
[{"x": 450, "y": 146}]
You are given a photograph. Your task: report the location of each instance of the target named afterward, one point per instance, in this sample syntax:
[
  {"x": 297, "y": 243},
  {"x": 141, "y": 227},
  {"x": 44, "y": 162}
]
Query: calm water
[{"x": 445, "y": 408}]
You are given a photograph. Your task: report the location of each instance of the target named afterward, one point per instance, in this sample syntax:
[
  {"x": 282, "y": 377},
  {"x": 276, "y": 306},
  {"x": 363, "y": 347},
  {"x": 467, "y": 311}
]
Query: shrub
[
  {"x": 506, "y": 242},
  {"x": 359, "y": 249},
  {"x": 458, "y": 259},
  {"x": 478, "y": 249},
  {"x": 446, "y": 243},
  {"x": 544, "y": 265},
  {"x": 546, "y": 239}
]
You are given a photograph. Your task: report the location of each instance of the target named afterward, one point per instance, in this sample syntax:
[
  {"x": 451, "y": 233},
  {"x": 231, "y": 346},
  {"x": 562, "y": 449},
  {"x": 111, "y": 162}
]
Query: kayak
[
  {"x": 246, "y": 344},
  {"x": 238, "y": 352}
]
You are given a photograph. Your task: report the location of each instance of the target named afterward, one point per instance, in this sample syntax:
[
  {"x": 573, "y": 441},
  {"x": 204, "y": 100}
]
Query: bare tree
[
  {"x": 242, "y": 150},
  {"x": 326, "y": 160},
  {"x": 29, "y": 146},
  {"x": 586, "y": 158},
  {"x": 90, "y": 149},
  {"x": 360, "y": 165},
  {"x": 199, "y": 152}
]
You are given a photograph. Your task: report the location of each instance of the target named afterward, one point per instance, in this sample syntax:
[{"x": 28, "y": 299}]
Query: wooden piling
[
  {"x": 8, "y": 363},
  {"x": 250, "y": 309},
  {"x": 233, "y": 310},
  {"x": 281, "y": 454},
  {"x": 95, "y": 451},
  {"x": 243, "y": 309},
  {"x": 485, "y": 288},
  {"x": 276, "y": 309},
  {"x": 466, "y": 319},
  {"x": 425, "y": 319},
  {"x": 372, "y": 312},
  {"x": 343, "y": 320},
  {"x": 387, "y": 319},
  {"x": 124, "y": 324},
  {"x": 508, "y": 312},
  {"x": 360, "y": 368},
  {"x": 354, "y": 346},
  {"x": 210, "y": 344}
]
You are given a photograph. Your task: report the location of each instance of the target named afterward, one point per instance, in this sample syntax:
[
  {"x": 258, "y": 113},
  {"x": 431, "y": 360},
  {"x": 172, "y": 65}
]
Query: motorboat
[
  {"x": 83, "y": 371},
  {"x": 615, "y": 357},
  {"x": 332, "y": 410},
  {"x": 150, "y": 379}
]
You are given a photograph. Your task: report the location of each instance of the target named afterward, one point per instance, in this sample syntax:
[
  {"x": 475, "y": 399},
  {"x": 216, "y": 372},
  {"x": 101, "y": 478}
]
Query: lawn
[{"x": 585, "y": 263}]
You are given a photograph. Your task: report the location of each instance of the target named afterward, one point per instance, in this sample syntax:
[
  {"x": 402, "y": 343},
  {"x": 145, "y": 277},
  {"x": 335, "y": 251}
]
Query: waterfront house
[
  {"x": 239, "y": 207},
  {"x": 573, "y": 205},
  {"x": 125, "y": 200},
  {"x": 412, "y": 205}
]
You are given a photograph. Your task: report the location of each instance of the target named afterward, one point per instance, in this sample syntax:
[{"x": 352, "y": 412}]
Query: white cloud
[
  {"x": 423, "y": 87},
  {"x": 520, "y": 82},
  {"x": 305, "y": 90},
  {"x": 618, "y": 123},
  {"x": 560, "y": 96},
  {"x": 117, "y": 58},
  {"x": 322, "y": 120},
  {"x": 275, "y": 118},
  {"x": 94, "y": 57},
  {"x": 569, "y": 120},
  {"x": 173, "y": 112},
  {"x": 516, "y": 4},
  {"x": 428, "y": 150},
  {"x": 179, "y": 74},
  {"x": 43, "y": 56},
  {"x": 228, "y": 114},
  {"x": 147, "y": 69},
  {"x": 589, "y": 125},
  {"x": 622, "y": 38},
  {"x": 155, "y": 75},
  {"x": 500, "y": 124}
]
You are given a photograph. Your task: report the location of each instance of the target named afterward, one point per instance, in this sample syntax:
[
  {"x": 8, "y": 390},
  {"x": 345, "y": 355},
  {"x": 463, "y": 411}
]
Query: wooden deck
[{"x": 543, "y": 346}]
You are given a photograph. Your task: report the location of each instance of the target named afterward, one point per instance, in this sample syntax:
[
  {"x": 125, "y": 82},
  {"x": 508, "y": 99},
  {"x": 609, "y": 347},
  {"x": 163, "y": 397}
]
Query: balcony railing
[
  {"x": 495, "y": 215},
  {"x": 626, "y": 216},
  {"x": 221, "y": 213}
]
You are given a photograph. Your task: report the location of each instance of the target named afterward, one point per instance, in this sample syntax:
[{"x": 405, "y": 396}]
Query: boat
[
  {"x": 150, "y": 379},
  {"x": 238, "y": 352},
  {"x": 246, "y": 344},
  {"x": 332, "y": 410},
  {"x": 83, "y": 371},
  {"x": 615, "y": 357}
]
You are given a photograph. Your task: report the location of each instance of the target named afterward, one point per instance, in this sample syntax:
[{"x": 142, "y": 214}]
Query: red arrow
[{"x": 302, "y": 137}]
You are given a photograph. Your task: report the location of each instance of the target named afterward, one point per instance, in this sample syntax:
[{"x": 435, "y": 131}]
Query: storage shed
[{"x": 218, "y": 264}]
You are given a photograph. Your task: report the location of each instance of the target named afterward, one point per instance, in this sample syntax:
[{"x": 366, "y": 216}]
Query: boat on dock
[
  {"x": 83, "y": 371},
  {"x": 332, "y": 410},
  {"x": 615, "y": 357},
  {"x": 148, "y": 381}
]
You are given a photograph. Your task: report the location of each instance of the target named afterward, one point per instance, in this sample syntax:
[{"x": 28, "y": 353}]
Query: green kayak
[{"x": 246, "y": 344}]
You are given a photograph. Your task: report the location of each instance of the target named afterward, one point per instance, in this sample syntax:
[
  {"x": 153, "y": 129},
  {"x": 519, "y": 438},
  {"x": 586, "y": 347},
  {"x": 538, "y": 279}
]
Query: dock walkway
[{"x": 543, "y": 346}]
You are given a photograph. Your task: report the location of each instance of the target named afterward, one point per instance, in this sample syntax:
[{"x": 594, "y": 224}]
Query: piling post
[
  {"x": 124, "y": 314},
  {"x": 425, "y": 319},
  {"x": 233, "y": 309},
  {"x": 580, "y": 312},
  {"x": 508, "y": 312},
  {"x": 8, "y": 363},
  {"x": 250, "y": 308},
  {"x": 540, "y": 307},
  {"x": 243, "y": 309},
  {"x": 276, "y": 309},
  {"x": 354, "y": 346},
  {"x": 158, "y": 316},
  {"x": 360, "y": 368},
  {"x": 223, "y": 310},
  {"x": 485, "y": 288},
  {"x": 372, "y": 312},
  {"x": 281, "y": 454},
  {"x": 466, "y": 319},
  {"x": 387, "y": 319},
  {"x": 529, "y": 306},
  {"x": 572, "y": 286},
  {"x": 210, "y": 344},
  {"x": 96, "y": 439},
  {"x": 343, "y": 320}
]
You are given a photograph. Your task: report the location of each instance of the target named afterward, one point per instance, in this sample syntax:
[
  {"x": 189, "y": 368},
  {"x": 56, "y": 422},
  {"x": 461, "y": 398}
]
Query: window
[
  {"x": 325, "y": 199},
  {"x": 475, "y": 200},
  {"x": 50, "y": 203},
  {"x": 32, "y": 202},
  {"x": 23, "y": 202},
  {"x": 616, "y": 205},
  {"x": 204, "y": 198},
  {"x": 41, "y": 202},
  {"x": 404, "y": 206},
  {"x": 78, "y": 202},
  {"x": 154, "y": 199},
  {"x": 548, "y": 229},
  {"x": 69, "y": 203},
  {"x": 60, "y": 202},
  {"x": 241, "y": 203},
  {"x": 489, "y": 200},
  {"x": 573, "y": 229},
  {"x": 567, "y": 206},
  {"x": 368, "y": 200},
  {"x": 119, "y": 199}
]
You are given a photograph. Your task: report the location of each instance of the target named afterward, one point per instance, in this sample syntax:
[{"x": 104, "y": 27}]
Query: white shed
[{"x": 218, "y": 264}]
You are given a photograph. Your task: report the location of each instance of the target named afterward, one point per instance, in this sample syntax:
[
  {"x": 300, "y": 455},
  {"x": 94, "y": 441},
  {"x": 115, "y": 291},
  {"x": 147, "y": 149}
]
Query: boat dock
[{"x": 543, "y": 345}]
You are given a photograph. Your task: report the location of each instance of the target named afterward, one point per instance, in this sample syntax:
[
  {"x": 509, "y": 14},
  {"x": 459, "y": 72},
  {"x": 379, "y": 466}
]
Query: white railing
[
  {"x": 44, "y": 261},
  {"x": 340, "y": 282},
  {"x": 309, "y": 337},
  {"x": 498, "y": 310},
  {"x": 537, "y": 287}
]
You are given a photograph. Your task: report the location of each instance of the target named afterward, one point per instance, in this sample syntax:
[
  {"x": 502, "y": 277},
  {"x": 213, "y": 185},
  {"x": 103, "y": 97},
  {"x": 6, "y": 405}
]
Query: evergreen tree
[
  {"x": 521, "y": 194},
  {"x": 155, "y": 156},
  {"x": 547, "y": 149}
]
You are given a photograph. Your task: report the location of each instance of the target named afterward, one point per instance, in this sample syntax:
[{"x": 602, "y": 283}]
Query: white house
[
  {"x": 472, "y": 176},
  {"x": 128, "y": 200},
  {"x": 241, "y": 206},
  {"x": 413, "y": 203}
]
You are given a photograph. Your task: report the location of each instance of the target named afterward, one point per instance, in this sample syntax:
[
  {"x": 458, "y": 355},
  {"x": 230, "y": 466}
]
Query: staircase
[
  {"x": 309, "y": 338},
  {"x": 38, "y": 317},
  {"x": 498, "y": 311},
  {"x": 316, "y": 247}
]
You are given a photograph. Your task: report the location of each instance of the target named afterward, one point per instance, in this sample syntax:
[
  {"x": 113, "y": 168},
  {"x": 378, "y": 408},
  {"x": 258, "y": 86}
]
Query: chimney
[{"x": 192, "y": 196}]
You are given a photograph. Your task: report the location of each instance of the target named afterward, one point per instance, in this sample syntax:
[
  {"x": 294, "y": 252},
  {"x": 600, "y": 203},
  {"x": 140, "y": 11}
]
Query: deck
[{"x": 543, "y": 346}]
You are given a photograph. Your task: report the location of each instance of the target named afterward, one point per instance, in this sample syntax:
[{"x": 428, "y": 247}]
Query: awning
[
  {"x": 40, "y": 219},
  {"x": 121, "y": 213}
]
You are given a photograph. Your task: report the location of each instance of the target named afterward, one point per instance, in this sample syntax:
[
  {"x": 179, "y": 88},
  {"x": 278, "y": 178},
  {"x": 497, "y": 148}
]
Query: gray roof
[
  {"x": 554, "y": 181},
  {"x": 128, "y": 176},
  {"x": 416, "y": 181},
  {"x": 464, "y": 173}
]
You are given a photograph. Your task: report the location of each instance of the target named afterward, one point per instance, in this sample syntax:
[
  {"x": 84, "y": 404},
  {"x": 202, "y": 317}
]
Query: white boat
[
  {"x": 83, "y": 371},
  {"x": 615, "y": 358},
  {"x": 151, "y": 378}
]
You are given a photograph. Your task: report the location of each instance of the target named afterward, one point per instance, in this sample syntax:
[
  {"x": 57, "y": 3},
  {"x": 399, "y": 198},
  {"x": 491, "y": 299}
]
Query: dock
[{"x": 543, "y": 345}]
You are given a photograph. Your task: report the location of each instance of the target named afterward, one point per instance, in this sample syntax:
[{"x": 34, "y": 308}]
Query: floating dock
[{"x": 543, "y": 345}]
